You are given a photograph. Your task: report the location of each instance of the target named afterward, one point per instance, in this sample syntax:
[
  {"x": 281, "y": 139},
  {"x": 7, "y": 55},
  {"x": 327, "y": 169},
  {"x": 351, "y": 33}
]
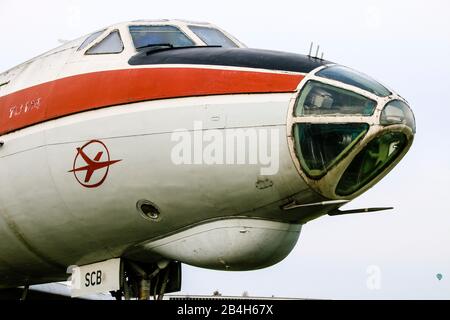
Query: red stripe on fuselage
[{"x": 91, "y": 91}]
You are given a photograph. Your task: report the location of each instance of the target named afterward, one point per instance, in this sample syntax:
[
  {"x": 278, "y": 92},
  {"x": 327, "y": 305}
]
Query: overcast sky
[{"x": 404, "y": 44}]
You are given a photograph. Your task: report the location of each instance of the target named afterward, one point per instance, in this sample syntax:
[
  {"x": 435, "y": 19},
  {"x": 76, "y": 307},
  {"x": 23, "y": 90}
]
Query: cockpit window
[
  {"x": 371, "y": 161},
  {"x": 89, "y": 39},
  {"x": 322, "y": 99},
  {"x": 111, "y": 44},
  {"x": 146, "y": 36},
  {"x": 354, "y": 78},
  {"x": 320, "y": 146},
  {"x": 213, "y": 37},
  {"x": 398, "y": 112}
]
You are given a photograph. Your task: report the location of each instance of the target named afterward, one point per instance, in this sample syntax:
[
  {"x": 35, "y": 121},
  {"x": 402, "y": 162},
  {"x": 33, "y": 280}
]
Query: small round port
[{"x": 148, "y": 210}]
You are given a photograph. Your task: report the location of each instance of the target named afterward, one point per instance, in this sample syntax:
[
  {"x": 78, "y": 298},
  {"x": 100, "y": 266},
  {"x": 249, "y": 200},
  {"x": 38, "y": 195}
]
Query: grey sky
[{"x": 404, "y": 44}]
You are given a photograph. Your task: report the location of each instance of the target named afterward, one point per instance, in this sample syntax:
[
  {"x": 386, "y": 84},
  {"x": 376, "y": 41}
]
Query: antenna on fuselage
[
  {"x": 317, "y": 52},
  {"x": 310, "y": 49}
]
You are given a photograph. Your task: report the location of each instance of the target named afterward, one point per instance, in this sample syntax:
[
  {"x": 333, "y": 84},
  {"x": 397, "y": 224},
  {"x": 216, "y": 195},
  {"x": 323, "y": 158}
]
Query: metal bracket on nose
[{"x": 294, "y": 205}]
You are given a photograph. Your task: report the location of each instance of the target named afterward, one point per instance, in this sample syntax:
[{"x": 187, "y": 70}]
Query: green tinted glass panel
[
  {"x": 371, "y": 161},
  {"x": 322, "y": 99},
  {"x": 320, "y": 146}
]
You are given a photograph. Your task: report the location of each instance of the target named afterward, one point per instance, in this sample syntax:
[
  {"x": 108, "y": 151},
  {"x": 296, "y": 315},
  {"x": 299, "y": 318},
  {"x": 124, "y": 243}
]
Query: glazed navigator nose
[{"x": 348, "y": 131}]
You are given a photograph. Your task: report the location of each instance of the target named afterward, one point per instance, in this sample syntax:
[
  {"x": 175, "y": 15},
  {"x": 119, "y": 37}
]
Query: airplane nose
[{"x": 347, "y": 131}]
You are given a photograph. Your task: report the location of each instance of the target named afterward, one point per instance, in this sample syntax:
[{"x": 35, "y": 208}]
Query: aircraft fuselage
[{"x": 93, "y": 165}]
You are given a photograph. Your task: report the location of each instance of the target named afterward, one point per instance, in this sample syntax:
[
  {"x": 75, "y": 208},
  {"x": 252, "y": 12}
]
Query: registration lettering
[{"x": 26, "y": 107}]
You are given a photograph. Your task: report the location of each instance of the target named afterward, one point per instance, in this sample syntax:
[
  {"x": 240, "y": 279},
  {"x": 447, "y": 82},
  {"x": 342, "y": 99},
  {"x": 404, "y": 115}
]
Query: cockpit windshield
[
  {"x": 90, "y": 39},
  {"x": 146, "y": 36},
  {"x": 354, "y": 78},
  {"x": 213, "y": 37}
]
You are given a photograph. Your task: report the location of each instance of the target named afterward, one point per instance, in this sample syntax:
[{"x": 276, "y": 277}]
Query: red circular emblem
[{"x": 91, "y": 164}]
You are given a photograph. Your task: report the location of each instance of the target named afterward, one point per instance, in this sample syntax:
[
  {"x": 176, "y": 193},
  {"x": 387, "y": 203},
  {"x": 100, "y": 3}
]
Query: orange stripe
[{"x": 108, "y": 88}]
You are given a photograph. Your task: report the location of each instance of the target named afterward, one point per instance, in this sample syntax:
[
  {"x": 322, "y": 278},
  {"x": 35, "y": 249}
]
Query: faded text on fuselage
[{"x": 23, "y": 108}]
